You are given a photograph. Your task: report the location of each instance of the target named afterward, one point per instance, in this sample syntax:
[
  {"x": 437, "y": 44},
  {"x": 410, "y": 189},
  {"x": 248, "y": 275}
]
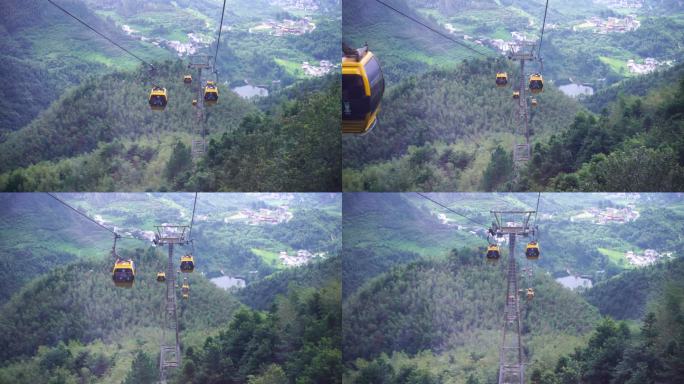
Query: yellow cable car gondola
[
  {"x": 530, "y": 294},
  {"x": 493, "y": 252},
  {"x": 123, "y": 273},
  {"x": 516, "y": 94},
  {"x": 536, "y": 83},
  {"x": 185, "y": 291},
  {"x": 363, "y": 85},
  {"x": 158, "y": 98},
  {"x": 501, "y": 79},
  {"x": 161, "y": 277},
  {"x": 211, "y": 93},
  {"x": 534, "y": 102},
  {"x": 187, "y": 263},
  {"x": 532, "y": 250},
  {"x": 187, "y": 79}
]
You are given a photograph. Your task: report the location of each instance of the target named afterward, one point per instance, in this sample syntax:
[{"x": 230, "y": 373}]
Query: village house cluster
[
  {"x": 301, "y": 257},
  {"x": 196, "y": 41},
  {"x": 278, "y": 215},
  {"x": 650, "y": 256},
  {"x": 608, "y": 215},
  {"x": 609, "y": 25},
  {"x": 324, "y": 67},
  {"x": 621, "y": 4},
  {"x": 649, "y": 65},
  {"x": 297, "y": 5},
  {"x": 286, "y": 27}
]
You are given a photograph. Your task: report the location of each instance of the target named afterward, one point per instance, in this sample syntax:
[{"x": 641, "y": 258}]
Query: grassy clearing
[
  {"x": 269, "y": 257},
  {"x": 618, "y": 66},
  {"x": 617, "y": 257},
  {"x": 291, "y": 67}
]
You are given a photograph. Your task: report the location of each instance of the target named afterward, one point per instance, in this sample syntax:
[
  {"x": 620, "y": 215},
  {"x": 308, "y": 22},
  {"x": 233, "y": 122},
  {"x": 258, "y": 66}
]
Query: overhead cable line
[
  {"x": 536, "y": 210},
  {"x": 430, "y": 28},
  {"x": 449, "y": 209},
  {"x": 218, "y": 40},
  {"x": 102, "y": 35},
  {"x": 541, "y": 36},
  {"x": 89, "y": 218},
  {"x": 192, "y": 219}
]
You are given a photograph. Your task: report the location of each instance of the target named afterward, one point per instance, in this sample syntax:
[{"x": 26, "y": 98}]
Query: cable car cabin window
[
  {"x": 158, "y": 100},
  {"x": 376, "y": 81},
  {"x": 211, "y": 96},
  {"x": 123, "y": 275},
  {"x": 355, "y": 103}
]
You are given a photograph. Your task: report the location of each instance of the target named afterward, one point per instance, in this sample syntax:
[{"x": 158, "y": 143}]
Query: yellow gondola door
[
  {"x": 532, "y": 251},
  {"x": 501, "y": 79},
  {"x": 123, "y": 273},
  {"x": 363, "y": 86},
  {"x": 158, "y": 99},
  {"x": 211, "y": 93},
  {"x": 187, "y": 264},
  {"x": 536, "y": 83}
]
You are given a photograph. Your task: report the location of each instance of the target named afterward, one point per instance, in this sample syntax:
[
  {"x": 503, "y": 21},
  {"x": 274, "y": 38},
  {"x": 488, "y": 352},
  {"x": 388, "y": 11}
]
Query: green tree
[
  {"x": 143, "y": 370},
  {"x": 179, "y": 162},
  {"x": 273, "y": 374},
  {"x": 499, "y": 171}
]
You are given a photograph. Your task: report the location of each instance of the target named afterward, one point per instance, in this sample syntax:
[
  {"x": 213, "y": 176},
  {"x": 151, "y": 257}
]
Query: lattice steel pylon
[
  {"x": 170, "y": 356},
  {"x": 199, "y": 143},
  {"x": 523, "y": 51},
  {"x": 511, "y": 356}
]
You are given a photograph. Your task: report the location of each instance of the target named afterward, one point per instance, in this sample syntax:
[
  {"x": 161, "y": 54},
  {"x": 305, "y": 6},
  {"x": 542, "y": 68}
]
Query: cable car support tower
[
  {"x": 170, "y": 356},
  {"x": 522, "y": 52},
  {"x": 199, "y": 143},
  {"x": 511, "y": 359}
]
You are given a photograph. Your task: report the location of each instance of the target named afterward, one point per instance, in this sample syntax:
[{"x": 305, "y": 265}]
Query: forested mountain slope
[
  {"x": 113, "y": 107},
  {"x": 297, "y": 342},
  {"x": 626, "y": 296},
  {"x": 80, "y": 302},
  {"x": 261, "y": 294},
  {"x": 634, "y": 145},
  {"x": 44, "y": 52},
  {"x": 446, "y": 306},
  {"x": 438, "y": 131},
  {"x": 452, "y": 105},
  {"x": 103, "y": 136},
  {"x": 616, "y": 353},
  {"x": 75, "y": 324},
  {"x": 403, "y": 47},
  {"x": 32, "y": 244},
  {"x": 385, "y": 230},
  {"x": 636, "y": 86},
  {"x": 454, "y": 131}
]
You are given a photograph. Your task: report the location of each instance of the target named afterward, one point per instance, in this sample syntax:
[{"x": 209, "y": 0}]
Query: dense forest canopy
[
  {"x": 423, "y": 145},
  {"x": 433, "y": 311},
  {"x": 63, "y": 319},
  {"x": 91, "y": 114}
]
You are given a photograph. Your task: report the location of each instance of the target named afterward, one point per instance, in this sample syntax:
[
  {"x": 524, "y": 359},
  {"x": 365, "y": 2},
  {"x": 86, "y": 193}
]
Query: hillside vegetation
[
  {"x": 627, "y": 296},
  {"x": 119, "y": 143},
  {"x": 454, "y": 307},
  {"x": 45, "y": 52},
  {"x": 403, "y": 47},
  {"x": 80, "y": 303},
  {"x": 634, "y": 145},
  {"x": 261, "y": 294},
  {"x": 452, "y": 130},
  {"x": 616, "y": 354},
  {"x": 438, "y": 131}
]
